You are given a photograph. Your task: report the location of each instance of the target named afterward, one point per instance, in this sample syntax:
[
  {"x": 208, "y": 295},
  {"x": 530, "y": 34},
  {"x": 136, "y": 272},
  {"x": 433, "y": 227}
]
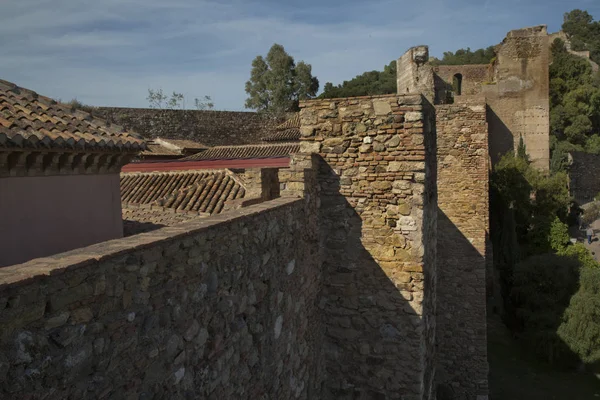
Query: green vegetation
[
  {"x": 574, "y": 91},
  {"x": 369, "y": 83},
  {"x": 516, "y": 375},
  {"x": 546, "y": 281},
  {"x": 277, "y": 83},
  {"x": 584, "y": 32},
  {"x": 466, "y": 56}
]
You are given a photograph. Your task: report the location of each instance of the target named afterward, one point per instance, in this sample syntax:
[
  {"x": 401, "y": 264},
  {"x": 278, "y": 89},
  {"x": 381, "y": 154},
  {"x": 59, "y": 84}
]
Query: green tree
[
  {"x": 583, "y": 31},
  {"x": 366, "y": 84},
  {"x": 522, "y": 150},
  {"x": 542, "y": 289},
  {"x": 580, "y": 328},
  {"x": 277, "y": 84},
  {"x": 559, "y": 235},
  {"x": 466, "y": 56}
]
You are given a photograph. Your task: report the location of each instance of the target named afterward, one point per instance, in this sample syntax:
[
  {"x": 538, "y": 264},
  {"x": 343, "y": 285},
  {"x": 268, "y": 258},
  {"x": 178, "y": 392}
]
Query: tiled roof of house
[
  {"x": 288, "y": 131},
  {"x": 155, "y": 149},
  {"x": 247, "y": 151},
  {"x": 28, "y": 120},
  {"x": 183, "y": 144},
  {"x": 283, "y": 135},
  {"x": 190, "y": 191}
]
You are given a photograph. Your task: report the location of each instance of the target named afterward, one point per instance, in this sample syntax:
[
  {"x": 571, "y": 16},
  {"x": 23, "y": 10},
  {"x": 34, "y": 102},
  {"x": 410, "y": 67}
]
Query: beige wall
[{"x": 41, "y": 216}]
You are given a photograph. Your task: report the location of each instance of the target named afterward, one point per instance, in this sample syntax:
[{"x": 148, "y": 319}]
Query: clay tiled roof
[
  {"x": 288, "y": 131},
  {"x": 284, "y": 135},
  {"x": 154, "y": 149},
  {"x": 28, "y": 120},
  {"x": 247, "y": 151},
  {"x": 193, "y": 191},
  {"x": 184, "y": 144}
]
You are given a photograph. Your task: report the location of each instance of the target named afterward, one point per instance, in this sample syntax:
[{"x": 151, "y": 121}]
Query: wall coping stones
[{"x": 37, "y": 269}]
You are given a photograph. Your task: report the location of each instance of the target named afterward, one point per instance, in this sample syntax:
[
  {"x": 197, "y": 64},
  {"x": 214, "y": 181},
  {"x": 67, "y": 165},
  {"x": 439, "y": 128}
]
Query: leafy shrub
[
  {"x": 541, "y": 290},
  {"x": 580, "y": 329},
  {"x": 559, "y": 235},
  {"x": 580, "y": 253}
]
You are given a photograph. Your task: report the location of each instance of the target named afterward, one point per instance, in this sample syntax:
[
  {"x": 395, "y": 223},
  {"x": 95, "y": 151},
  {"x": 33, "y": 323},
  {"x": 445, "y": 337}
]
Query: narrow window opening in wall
[{"x": 457, "y": 84}]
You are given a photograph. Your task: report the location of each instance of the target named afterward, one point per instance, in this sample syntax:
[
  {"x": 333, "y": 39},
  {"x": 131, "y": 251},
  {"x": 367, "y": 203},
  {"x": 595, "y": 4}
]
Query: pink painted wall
[{"x": 41, "y": 216}]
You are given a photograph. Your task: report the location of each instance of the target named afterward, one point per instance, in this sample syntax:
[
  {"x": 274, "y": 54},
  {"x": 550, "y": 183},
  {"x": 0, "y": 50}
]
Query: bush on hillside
[
  {"x": 541, "y": 290},
  {"x": 559, "y": 235},
  {"x": 580, "y": 329}
]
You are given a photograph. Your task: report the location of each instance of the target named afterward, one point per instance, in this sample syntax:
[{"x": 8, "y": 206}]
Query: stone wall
[
  {"x": 463, "y": 225},
  {"x": 413, "y": 73},
  {"x": 473, "y": 77},
  {"x": 211, "y": 128},
  {"x": 520, "y": 99},
  {"x": 516, "y": 88},
  {"x": 217, "y": 308},
  {"x": 377, "y": 195},
  {"x": 584, "y": 179}
]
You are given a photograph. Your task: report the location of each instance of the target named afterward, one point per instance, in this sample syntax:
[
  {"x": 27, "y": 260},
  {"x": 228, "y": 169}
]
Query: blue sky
[{"x": 109, "y": 52}]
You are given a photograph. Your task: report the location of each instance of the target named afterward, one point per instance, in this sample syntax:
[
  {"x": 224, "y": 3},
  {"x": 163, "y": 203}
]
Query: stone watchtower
[{"x": 515, "y": 86}]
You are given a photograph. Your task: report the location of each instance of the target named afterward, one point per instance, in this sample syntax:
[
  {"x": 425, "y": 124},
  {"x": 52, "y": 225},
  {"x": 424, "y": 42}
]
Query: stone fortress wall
[
  {"x": 462, "y": 246},
  {"x": 224, "y": 307},
  {"x": 377, "y": 226},
  {"x": 366, "y": 279}
]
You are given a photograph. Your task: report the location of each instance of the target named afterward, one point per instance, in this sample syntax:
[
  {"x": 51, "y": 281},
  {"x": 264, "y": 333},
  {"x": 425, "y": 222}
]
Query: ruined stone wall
[
  {"x": 219, "y": 308},
  {"x": 211, "y": 128},
  {"x": 377, "y": 219},
  {"x": 463, "y": 225},
  {"x": 473, "y": 77},
  {"x": 584, "y": 179},
  {"x": 414, "y": 75},
  {"x": 519, "y": 101},
  {"x": 516, "y": 88}
]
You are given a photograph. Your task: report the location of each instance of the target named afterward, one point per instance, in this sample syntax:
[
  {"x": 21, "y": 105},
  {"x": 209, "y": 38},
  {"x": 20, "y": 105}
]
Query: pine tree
[{"x": 277, "y": 83}]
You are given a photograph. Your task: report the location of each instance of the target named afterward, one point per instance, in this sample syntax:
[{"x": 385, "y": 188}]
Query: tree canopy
[
  {"x": 574, "y": 90},
  {"x": 368, "y": 83},
  {"x": 583, "y": 31},
  {"x": 277, "y": 83},
  {"x": 466, "y": 56}
]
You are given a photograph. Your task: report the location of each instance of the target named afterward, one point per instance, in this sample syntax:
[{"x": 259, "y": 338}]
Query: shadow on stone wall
[
  {"x": 501, "y": 140},
  {"x": 132, "y": 227},
  {"x": 372, "y": 309},
  {"x": 461, "y": 371}
]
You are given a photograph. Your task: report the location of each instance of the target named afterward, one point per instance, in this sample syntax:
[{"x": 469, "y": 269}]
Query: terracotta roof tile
[
  {"x": 288, "y": 131},
  {"x": 33, "y": 121},
  {"x": 185, "y": 144},
  {"x": 155, "y": 149},
  {"x": 247, "y": 151},
  {"x": 283, "y": 135},
  {"x": 188, "y": 191}
]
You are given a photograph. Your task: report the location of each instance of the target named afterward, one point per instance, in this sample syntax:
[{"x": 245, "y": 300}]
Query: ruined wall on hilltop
[
  {"x": 414, "y": 74},
  {"x": 377, "y": 222},
  {"x": 211, "y": 128},
  {"x": 521, "y": 97},
  {"x": 223, "y": 307},
  {"x": 472, "y": 79},
  {"x": 463, "y": 226},
  {"x": 516, "y": 88}
]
